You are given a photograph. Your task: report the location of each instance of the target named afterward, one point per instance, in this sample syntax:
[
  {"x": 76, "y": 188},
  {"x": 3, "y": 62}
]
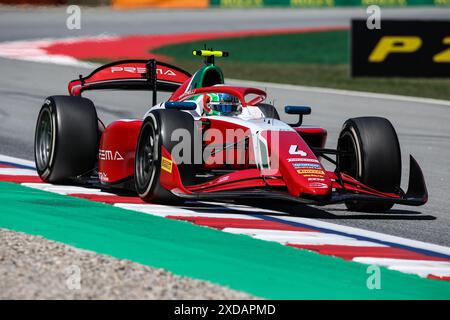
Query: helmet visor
[{"x": 224, "y": 108}]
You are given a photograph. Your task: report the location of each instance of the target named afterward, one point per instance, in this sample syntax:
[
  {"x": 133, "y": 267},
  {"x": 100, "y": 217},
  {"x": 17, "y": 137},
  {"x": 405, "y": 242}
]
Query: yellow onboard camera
[{"x": 210, "y": 55}]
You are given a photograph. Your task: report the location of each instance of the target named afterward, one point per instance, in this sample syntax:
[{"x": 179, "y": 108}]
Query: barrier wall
[
  {"x": 130, "y": 4},
  {"x": 326, "y": 3}
]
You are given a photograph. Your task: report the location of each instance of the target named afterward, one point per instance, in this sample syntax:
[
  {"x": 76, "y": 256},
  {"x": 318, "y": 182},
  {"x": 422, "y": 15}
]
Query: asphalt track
[
  {"x": 51, "y": 23},
  {"x": 423, "y": 128}
]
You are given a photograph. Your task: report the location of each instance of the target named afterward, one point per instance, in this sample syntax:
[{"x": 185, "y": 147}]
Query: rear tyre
[
  {"x": 66, "y": 138},
  {"x": 156, "y": 133},
  {"x": 269, "y": 111},
  {"x": 373, "y": 157}
]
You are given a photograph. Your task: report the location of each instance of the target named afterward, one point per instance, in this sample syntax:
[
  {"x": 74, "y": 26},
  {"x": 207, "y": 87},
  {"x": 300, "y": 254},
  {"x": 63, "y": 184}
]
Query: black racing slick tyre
[
  {"x": 370, "y": 154},
  {"x": 156, "y": 132},
  {"x": 66, "y": 138},
  {"x": 269, "y": 111}
]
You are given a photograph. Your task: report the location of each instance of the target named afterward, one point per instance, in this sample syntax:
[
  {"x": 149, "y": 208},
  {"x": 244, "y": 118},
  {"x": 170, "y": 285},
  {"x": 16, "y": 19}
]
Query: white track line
[
  {"x": 301, "y": 237},
  {"x": 22, "y": 162},
  {"x": 61, "y": 189},
  {"x": 34, "y": 51},
  {"x": 17, "y": 172},
  {"x": 420, "y": 267},
  {"x": 164, "y": 211},
  {"x": 367, "y": 233},
  {"x": 242, "y": 207}
]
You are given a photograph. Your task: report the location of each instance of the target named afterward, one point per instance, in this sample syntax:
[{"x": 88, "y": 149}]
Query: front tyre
[
  {"x": 370, "y": 154},
  {"x": 156, "y": 132}
]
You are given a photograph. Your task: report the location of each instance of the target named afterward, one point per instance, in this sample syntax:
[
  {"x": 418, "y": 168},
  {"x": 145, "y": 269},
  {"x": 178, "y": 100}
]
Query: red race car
[{"x": 211, "y": 141}]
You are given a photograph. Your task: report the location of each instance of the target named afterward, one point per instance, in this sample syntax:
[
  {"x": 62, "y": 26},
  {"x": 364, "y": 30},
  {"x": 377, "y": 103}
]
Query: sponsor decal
[
  {"x": 167, "y": 72},
  {"x": 294, "y": 150},
  {"x": 311, "y": 171},
  {"x": 302, "y": 160},
  {"x": 318, "y": 185},
  {"x": 109, "y": 155},
  {"x": 142, "y": 70},
  {"x": 223, "y": 179},
  {"x": 313, "y": 175},
  {"x": 166, "y": 164},
  {"x": 103, "y": 177},
  {"x": 316, "y": 179},
  {"x": 310, "y": 160},
  {"x": 306, "y": 165}
]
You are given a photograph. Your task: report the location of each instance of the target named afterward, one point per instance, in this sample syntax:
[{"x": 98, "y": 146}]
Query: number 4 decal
[{"x": 294, "y": 150}]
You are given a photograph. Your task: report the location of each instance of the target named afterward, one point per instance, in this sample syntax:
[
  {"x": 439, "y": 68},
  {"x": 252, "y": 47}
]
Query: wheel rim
[
  {"x": 44, "y": 140},
  {"x": 348, "y": 161},
  {"x": 146, "y": 157}
]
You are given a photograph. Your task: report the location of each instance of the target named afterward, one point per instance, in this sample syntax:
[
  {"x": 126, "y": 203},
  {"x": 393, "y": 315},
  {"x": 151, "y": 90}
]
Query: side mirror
[
  {"x": 180, "y": 105},
  {"x": 300, "y": 110}
]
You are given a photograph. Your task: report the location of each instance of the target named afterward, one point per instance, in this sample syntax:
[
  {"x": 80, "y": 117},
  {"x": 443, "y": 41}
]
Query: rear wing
[{"x": 132, "y": 75}]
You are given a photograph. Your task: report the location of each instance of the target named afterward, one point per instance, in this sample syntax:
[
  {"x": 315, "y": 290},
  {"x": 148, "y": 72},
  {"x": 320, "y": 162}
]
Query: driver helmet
[{"x": 222, "y": 104}]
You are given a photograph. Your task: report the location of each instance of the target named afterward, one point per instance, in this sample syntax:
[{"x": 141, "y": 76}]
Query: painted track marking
[
  {"x": 395, "y": 253},
  {"x": 422, "y": 268},
  {"x": 299, "y": 237},
  {"x": 361, "y": 234}
]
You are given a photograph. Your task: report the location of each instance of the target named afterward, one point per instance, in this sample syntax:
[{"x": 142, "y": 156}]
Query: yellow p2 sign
[
  {"x": 394, "y": 44},
  {"x": 444, "y": 56},
  {"x": 402, "y": 48}
]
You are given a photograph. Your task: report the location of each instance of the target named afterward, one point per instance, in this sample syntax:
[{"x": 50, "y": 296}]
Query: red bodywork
[
  {"x": 117, "y": 149},
  {"x": 297, "y": 173}
]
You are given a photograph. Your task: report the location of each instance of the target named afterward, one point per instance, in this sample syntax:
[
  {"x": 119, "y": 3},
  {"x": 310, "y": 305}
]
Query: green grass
[
  {"x": 311, "y": 48},
  {"x": 313, "y": 59}
]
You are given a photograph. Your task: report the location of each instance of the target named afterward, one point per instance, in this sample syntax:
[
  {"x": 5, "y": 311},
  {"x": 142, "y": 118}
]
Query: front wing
[{"x": 349, "y": 190}]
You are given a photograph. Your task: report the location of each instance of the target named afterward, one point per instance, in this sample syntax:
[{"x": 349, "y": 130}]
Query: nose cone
[
  {"x": 301, "y": 170},
  {"x": 305, "y": 175},
  {"x": 311, "y": 178},
  {"x": 322, "y": 188},
  {"x": 312, "y": 182}
]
